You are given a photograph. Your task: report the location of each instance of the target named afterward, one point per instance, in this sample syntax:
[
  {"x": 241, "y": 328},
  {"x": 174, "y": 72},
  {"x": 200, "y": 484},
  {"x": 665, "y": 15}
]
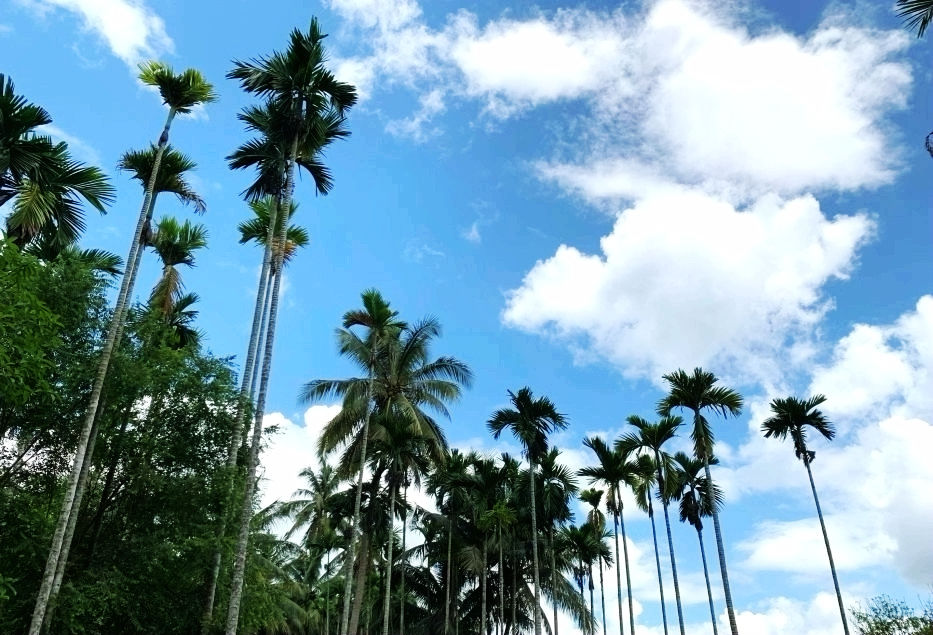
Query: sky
[{"x": 586, "y": 196}]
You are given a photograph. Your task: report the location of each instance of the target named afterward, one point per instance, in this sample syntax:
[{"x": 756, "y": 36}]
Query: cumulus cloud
[
  {"x": 686, "y": 279},
  {"x": 130, "y": 28}
]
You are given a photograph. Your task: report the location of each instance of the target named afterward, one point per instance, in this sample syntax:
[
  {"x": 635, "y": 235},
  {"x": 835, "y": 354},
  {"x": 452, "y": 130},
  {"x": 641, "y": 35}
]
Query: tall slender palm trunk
[
  {"x": 829, "y": 552},
  {"x": 327, "y": 599},
  {"x": 670, "y": 543},
  {"x": 657, "y": 560},
  {"x": 361, "y": 571},
  {"x": 357, "y": 504},
  {"x": 534, "y": 551},
  {"x": 501, "y": 626},
  {"x": 618, "y": 568},
  {"x": 239, "y": 564},
  {"x": 709, "y": 590},
  {"x": 628, "y": 579},
  {"x": 484, "y": 621},
  {"x": 553, "y": 578},
  {"x": 727, "y": 591},
  {"x": 514, "y": 589},
  {"x": 401, "y": 608},
  {"x": 450, "y": 555},
  {"x": 602, "y": 594},
  {"x": 246, "y": 394},
  {"x": 73, "y": 494},
  {"x": 592, "y": 609},
  {"x": 385, "y": 605}
]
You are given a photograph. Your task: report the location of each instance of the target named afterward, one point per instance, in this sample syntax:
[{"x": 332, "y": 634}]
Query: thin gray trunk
[
  {"x": 514, "y": 588},
  {"x": 81, "y": 452},
  {"x": 327, "y": 599},
  {"x": 485, "y": 621},
  {"x": 628, "y": 579},
  {"x": 360, "y": 584},
  {"x": 829, "y": 552},
  {"x": 72, "y": 522},
  {"x": 501, "y": 625},
  {"x": 385, "y": 605},
  {"x": 592, "y": 609},
  {"x": 670, "y": 543},
  {"x": 615, "y": 521},
  {"x": 20, "y": 458},
  {"x": 602, "y": 593},
  {"x": 264, "y": 322},
  {"x": 247, "y": 386},
  {"x": 727, "y": 592},
  {"x": 239, "y": 566},
  {"x": 657, "y": 560},
  {"x": 709, "y": 590},
  {"x": 450, "y": 542},
  {"x": 401, "y": 608},
  {"x": 534, "y": 551},
  {"x": 554, "y": 579},
  {"x": 348, "y": 588}
]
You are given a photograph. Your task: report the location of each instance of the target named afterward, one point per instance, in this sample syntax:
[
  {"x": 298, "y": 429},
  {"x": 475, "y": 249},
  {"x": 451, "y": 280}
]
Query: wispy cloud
[{"x": 419, "y": 251}]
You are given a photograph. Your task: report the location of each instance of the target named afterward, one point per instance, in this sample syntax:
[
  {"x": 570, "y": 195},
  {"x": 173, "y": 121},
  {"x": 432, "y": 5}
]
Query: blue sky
[{"x": 586, "y": 196}]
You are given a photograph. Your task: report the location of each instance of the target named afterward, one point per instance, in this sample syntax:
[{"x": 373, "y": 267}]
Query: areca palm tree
[
  {"x": 175, "y": 243},
  {"x": 614, "y": 470},
  {"x": 180, "y": 93},
  {"x": 530, "y": 420},
  {"x": 696, "y": 499},
  {"x": 179, "y": 322},
  {"x": 597, "y": 520},
  {"x": 646, "y": 476},
  {"x": 303, "y": 90},
  {"x": 698, "y": 393},
  {"x": 792, "y": 417},
  {"x": 557, "y": 488},
  {"x": 41, "y": 175},
  {"x": 651, "y": 438},
  {"x": 917, "y": 13}
]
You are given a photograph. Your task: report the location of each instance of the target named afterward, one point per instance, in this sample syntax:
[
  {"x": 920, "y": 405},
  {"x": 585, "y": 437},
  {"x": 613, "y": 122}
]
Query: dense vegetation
[{"x": 128, "y": 463}]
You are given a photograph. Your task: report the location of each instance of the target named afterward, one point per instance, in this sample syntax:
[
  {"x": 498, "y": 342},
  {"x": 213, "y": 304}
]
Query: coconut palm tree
[
  {"x": 303, "y": 90},
  {"x": 614, "y": 470},
  {"x": 175, "y": 243},
  {"x": 650, "y": 438},
  {"x": 698, "y": 393},
  {"x": 691, "y": 489},
  {"x": 180, "y": 93},
  {"x": 530, "y": 420},
  {"x": 597, "y": 520},
  {"x": 643, "y": 482},
  {"x": 792, "y": 417}
]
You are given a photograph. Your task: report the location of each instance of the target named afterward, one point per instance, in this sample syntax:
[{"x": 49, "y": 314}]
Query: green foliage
[{"x": 887, "y": 616}]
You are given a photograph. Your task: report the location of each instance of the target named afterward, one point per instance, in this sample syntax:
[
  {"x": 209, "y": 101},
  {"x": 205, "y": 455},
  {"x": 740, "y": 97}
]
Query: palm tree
[
  {"x": 180, "y": 93},
  {"x": 597, "y": 520},
  {"x": 650, "y": 438},
  {"x": 791, "y": 417},
  {"x": 691, "y": 488},
  {"x": 175, "y": 243},
  {"x": 699, "y": 393},
  {"x": 557, "y": 488},
  {"x": 303, "y": 90},
  {"x": 614, "y": 470},
  {"x": 179, "y": 322},
  {"x": 46, "y": 182},
  {"x": 645, "y": 478},
  {"x": 531, "y": 420},
  {"x": 917, "y": 13}
]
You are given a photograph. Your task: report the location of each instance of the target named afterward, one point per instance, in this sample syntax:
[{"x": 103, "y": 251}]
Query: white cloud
[
  {"x": 290, "y": 450},
  {"x": 472, "y": 234},
  {"x": 79, "y": 148},
  {"x": 416, "y": 126},
  {"x": 131, "y": 29},
  {"x": 687, "y": 280}
]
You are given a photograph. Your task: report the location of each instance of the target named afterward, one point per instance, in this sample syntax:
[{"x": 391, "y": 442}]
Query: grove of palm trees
[{"x": 137, "y": 450}]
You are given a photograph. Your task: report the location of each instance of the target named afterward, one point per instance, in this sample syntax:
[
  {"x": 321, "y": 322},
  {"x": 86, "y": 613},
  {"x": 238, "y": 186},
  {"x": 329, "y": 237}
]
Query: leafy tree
[
  {"x": 792, "y": 417},
  {"x": 887, "y": 616},
  {"x": 175, "y": 243},
  {"x": 698, "y": 393}
]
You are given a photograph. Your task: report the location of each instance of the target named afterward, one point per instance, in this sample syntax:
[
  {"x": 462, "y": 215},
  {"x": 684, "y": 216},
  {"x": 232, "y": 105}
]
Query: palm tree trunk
[
  {"x": 534, "y": 551},
  {"x": 248, "y": 382},
  {"x": 592, "y": 609},
  {"x": 628, "y": 579},
  {"x": 832, "y": 565},
  {"x": 709, "y": 590},
  {"x": 401, "y": 608},
  {"x": 355, "y": 535},
  {"x": 483, "y": 620},
  {"x": 553, "y": 579},
  {"x": 327, "y": 599},
  {"x": 501, "y": 626},
  {"x": 113, "y": 335},
  {"x": 670, "y": 543},
  {"x": 385, "y": 606},
  {"x": 727, "y": 592},
  {"x": 450, "y": 542},
  {"x": 239, "y": 566},
  {"x": 657, "y": 560},
  {"x": 362, "y": 569},
  {"x": 263, "y": 323},
  {"x": 615, "y": 520},
  {"x": 514, "y": 588},
  {"x": 72, "y": 522},
  {"x": 602, "y": 594}
]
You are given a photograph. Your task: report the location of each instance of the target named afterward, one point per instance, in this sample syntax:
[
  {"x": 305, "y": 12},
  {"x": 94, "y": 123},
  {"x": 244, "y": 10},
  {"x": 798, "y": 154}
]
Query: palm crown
[
  {"x": 698, "y": 392},
  {"x": 180, "y": 92},
  {"x": 530, "y": 420},
  {"x": 170, "y": 177},
  {"x": 792, "y": 416},
  {"x": 257, "y": 227}
]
